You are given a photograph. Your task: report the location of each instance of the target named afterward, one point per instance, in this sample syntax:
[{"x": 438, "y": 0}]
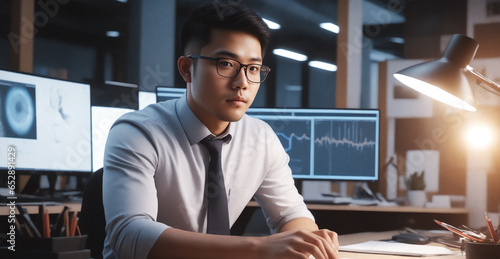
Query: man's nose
[{"x": 240, "y": 80}]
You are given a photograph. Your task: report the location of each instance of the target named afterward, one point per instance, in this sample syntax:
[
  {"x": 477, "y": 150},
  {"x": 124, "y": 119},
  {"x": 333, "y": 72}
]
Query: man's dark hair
[{"x": 220, "y": 14}]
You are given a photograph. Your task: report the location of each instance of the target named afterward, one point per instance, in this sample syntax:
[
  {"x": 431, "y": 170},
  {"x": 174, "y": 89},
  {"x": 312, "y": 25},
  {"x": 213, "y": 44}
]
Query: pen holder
[
  {"x": 53, "y": 248},
  {"x": 482, "y": 250}
]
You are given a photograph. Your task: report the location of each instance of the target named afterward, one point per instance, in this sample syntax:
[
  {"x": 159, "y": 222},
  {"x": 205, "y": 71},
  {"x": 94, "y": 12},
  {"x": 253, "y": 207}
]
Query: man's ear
[{"x": 184, "y": 66}]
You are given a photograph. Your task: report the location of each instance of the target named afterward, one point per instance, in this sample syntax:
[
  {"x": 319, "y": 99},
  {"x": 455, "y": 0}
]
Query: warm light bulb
[{"x": 479, "y": 136}]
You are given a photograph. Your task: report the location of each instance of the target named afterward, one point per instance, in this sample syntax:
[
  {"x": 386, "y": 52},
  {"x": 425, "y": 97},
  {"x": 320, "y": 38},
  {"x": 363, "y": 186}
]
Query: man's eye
[
  {"x": 223, "y": 63},
  {"x": 253, "y": 68}
]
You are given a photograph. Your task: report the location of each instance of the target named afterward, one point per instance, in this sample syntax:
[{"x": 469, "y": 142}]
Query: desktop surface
[
  {"x": 374, "y": 236},
  {"x": 347, "y": 219}
]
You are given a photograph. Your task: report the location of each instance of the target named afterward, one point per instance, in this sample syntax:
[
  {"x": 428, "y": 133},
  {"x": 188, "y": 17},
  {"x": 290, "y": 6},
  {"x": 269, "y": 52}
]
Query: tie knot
[{"x": 214, "y": 145}]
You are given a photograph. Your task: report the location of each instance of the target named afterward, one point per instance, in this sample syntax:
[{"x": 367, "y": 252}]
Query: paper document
[{"x": 396, "y": 248}]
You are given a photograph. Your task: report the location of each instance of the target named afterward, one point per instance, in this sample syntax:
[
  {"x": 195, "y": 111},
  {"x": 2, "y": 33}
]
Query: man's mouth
[{"x": 238, "y": 100}]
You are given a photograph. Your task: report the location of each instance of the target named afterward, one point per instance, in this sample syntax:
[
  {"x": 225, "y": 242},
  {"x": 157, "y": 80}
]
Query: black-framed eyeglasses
[{"x": 228, "y": 67}]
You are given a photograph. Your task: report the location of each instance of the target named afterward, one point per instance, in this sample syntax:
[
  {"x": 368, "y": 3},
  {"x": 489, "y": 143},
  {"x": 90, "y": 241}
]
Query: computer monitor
[
  {"x": 164, "y": 93},
  {"x": 115, "y": 94},
  {"x": 327, "y": 144},
  {"x": 102, "y": 120},
  {"x": 46, "y": 122}
]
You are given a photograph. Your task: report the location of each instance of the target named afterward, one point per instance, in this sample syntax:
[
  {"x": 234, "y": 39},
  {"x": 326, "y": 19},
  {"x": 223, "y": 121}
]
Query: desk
[
  {"x": 347, "y": 219},
  {"x": 363, "y": 237},
  {"x": 51, "y": 209}
]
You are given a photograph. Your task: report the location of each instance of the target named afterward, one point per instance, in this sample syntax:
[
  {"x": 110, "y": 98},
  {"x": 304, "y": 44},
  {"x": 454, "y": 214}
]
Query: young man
[{"x": 155, "y": 167}]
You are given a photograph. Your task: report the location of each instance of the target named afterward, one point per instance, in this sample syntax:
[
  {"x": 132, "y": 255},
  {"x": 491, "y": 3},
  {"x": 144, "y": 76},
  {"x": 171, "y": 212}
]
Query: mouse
[{"x": 411, "y": 238}]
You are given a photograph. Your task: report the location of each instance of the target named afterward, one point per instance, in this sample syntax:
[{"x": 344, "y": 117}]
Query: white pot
[{"x": 417, "y": 198}]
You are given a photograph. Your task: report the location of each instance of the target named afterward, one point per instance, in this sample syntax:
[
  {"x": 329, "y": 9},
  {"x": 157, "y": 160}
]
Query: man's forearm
[
  {"x": 299, "y": 224},
  {"x": 176, "y": 243}
]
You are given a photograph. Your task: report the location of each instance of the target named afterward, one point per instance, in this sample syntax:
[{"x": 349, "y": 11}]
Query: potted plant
[{"x": 415, "y": 184}]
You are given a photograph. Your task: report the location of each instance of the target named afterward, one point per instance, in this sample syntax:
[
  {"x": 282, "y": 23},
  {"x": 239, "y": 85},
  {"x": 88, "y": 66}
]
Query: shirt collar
[{"x": 195, "y": 130}]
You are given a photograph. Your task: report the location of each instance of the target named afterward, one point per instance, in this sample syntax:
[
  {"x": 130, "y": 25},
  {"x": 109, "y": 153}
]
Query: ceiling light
[
  {"x": 323, "y": 65},
  {"x": 290, "y": 54},
  {"x": 113, "y": 34},
  {"x": 330, "y": 27},
  {"x": 397, "y": 40},
  {"x": 272, "y": 25}
]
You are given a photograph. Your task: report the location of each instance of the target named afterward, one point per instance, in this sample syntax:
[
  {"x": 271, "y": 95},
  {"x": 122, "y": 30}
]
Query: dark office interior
[{"x": 125, "y": 49}]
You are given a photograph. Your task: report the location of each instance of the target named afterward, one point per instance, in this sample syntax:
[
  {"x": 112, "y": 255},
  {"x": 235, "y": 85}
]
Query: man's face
[{"x": 214, "y": 99}]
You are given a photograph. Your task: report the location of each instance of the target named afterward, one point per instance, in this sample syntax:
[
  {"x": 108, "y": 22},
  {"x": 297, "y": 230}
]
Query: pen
[
  {"x": 41, "y": 209},
  {"x": 460, "y": 232},
  {"x": 44, "y": 216},
  {"x": 479, "y": 234},
  {"x": 78, "y": 232},
  {"x": 73, "y": 224},
  {"x": 491, "y": 228},
  {"x": 27, "y": 220},
  {"x": 56, "y": 229},
  {"x": 66, "y": 222},
  {"x": 46, "y": 224}
]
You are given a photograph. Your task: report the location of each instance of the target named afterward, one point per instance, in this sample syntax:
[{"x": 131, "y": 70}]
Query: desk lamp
[{"x": 445, "y": 79}]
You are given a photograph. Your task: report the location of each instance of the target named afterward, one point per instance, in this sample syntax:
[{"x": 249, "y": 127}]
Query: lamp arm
[{"x": 492, "y": 86}]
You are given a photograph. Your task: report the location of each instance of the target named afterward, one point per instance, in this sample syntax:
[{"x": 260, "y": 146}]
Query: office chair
[{"x": 91, "y": 220}]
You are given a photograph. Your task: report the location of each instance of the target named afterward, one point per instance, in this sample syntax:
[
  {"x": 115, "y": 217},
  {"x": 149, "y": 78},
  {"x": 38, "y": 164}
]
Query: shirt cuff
[{"x": 137, "y": 238}]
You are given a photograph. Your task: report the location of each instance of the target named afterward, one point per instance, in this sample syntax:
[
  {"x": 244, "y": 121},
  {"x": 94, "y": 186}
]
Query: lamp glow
[
  {"x": 330, "y": 27},
  {"x": 272, "y": 25},
  {"x": 434, "y": 92},
  {"x": 479, "y": 136},
  {"x": 290, "y": 54}
]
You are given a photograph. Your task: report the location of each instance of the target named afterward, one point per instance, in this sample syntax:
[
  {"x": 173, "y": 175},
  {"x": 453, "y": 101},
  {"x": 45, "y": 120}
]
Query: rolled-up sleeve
[{"x": 129, "y": 193}]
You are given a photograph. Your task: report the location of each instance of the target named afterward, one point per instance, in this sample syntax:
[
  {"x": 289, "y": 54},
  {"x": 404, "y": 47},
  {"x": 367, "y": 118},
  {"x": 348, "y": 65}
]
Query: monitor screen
[
  {"x": 46, "y": 121},
  {"x": 146, "y": 98},
  {"x": 164, "y": 93},
  {"x": 327, "y": 144},
  {"x": 102, "y": 120}
]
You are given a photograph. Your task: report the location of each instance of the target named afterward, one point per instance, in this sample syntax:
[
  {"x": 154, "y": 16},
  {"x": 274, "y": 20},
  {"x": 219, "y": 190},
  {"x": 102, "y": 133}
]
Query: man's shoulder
[
  {"x": 153, "y": 114},
  {"x": 248, "y": 120}
]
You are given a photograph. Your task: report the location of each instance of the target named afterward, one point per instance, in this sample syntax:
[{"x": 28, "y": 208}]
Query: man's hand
[{"x": 322, "y": 244}]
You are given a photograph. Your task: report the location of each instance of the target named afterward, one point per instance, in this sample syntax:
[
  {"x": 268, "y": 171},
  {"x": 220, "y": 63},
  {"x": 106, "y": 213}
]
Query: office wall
[
  {"x": 321, "y": 88},
  {"x": 288, "y": 83},
  {"x": 4, "y": 57},
  {"x": 427, "y": 21},
  {"x": 78, "y": 61}
]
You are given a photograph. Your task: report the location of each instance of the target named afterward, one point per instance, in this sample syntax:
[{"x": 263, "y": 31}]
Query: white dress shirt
[{"x": 154, "y": 176}]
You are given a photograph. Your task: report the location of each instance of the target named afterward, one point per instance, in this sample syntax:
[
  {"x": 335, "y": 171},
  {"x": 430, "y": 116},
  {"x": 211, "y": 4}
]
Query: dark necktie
[{"x": 215, "y": 192}]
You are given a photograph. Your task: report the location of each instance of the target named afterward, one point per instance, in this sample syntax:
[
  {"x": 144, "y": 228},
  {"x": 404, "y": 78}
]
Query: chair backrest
[{"x": 91, "y": 220}]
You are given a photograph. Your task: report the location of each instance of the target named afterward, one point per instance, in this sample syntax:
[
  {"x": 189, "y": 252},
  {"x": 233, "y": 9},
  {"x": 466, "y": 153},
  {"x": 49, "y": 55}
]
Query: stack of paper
[{"x": 396, "y": 248}]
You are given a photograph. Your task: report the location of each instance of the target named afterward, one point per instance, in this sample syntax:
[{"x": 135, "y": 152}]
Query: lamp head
[{"x": 444, "y": 79}]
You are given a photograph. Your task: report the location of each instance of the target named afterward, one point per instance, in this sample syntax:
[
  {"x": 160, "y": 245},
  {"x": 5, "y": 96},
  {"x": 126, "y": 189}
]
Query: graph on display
[
  {"x": 295, "y": 136},
  {"x": 342, "y": 146},
  {"x": 338, "y": 144}
]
